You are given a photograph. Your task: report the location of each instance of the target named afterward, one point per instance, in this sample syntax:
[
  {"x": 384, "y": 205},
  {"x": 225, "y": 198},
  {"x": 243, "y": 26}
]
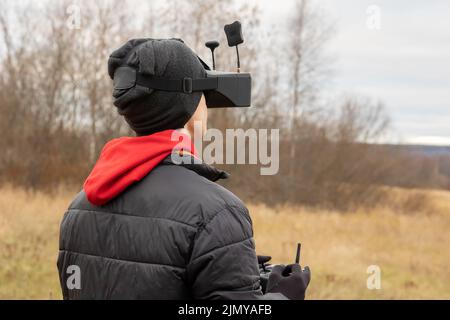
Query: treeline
[{"x": 56, "y": 110}]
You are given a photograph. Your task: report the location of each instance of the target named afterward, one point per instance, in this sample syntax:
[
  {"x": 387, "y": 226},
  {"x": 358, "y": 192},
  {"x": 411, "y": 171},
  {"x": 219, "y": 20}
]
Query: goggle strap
[{"x": 186, "y": 85}]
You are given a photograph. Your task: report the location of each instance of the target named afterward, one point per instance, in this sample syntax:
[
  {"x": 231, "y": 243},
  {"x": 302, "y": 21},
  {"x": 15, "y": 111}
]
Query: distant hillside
[
  {"x": 417, "y": 166},
  {"x": 423, "y": 149}
]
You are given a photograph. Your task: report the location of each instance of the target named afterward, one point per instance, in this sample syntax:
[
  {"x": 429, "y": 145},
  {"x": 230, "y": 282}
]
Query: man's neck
[{"x": 186, "y": 132}]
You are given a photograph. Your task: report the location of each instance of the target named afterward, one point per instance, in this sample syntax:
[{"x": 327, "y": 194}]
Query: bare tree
[
  {"x": 308, "y": 33},
  {"x": 56, "y": 109}
]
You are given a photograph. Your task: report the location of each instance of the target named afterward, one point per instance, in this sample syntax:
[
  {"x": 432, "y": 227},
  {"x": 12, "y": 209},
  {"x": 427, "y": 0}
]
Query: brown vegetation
[
  {"x": 56, "y": 110},
  {"x": 410, "y": 248}
]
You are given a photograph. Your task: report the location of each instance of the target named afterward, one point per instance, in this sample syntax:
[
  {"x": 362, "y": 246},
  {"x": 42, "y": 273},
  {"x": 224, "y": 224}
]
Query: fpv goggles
[{"x": 221, "y": 89}]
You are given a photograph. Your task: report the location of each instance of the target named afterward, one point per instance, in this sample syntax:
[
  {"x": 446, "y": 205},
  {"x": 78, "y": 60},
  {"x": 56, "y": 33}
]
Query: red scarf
[{"x": 127, "y": 160}]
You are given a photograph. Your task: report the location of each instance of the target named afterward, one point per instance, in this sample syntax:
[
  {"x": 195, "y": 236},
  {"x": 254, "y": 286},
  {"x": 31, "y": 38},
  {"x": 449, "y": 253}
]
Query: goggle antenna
[
  {"x": 212, "y": 45},
  {"x": 235, "y": 38}
]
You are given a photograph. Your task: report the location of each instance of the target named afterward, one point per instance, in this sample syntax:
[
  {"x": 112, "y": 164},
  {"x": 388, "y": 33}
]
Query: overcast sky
[{"x": 405, "y": 64}]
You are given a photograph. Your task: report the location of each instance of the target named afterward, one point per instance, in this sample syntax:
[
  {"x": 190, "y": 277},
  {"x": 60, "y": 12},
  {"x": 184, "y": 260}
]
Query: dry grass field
[{"x": 411, "y": 248}]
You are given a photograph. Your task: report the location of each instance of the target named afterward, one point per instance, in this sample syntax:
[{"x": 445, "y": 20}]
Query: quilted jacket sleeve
[{"x": 223, "y": 262}]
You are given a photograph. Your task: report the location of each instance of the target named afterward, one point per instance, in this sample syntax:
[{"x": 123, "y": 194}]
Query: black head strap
[
  {"x": 186, "y": 85},
  {"x": 126, "y": 78}
]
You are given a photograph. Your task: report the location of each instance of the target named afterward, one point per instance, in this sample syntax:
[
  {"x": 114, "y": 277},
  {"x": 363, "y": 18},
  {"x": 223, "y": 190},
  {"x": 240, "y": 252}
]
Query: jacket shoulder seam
[
  {"x": 123, "y": 260},
  {"x": 217, "y": 213},
  {"x": 131, "y": 215},
  {"x": 221, "y": 247}
]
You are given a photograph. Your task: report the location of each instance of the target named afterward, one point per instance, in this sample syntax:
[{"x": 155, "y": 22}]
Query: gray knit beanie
[{"x": 147, "y": 110}]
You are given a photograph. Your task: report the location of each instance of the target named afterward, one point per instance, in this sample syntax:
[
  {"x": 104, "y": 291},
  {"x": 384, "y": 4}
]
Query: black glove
[
  {"x": 263, "y": 259},
  {"x": 291, "y": 281}
]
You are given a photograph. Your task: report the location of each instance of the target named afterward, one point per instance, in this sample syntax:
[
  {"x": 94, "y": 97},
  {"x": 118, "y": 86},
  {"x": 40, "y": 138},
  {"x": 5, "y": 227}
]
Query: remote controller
[{"x": 265, "y": 269}]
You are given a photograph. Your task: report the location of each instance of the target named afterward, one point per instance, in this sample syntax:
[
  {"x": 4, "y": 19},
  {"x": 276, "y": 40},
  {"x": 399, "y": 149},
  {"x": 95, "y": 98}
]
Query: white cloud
[
  {"x": 429, "y": 140},
  {"x": 406, "y": 64}
]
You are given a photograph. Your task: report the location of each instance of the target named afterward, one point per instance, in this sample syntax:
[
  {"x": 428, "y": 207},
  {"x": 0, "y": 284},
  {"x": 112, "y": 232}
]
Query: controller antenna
[
  {"x": 212, "y": 45},
  {"x": 234, "y": 38},
  {"x": 297, "y": 257}
]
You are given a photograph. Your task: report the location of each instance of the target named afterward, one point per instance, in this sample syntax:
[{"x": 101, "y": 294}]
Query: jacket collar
[{"x": 193, "y": 163}]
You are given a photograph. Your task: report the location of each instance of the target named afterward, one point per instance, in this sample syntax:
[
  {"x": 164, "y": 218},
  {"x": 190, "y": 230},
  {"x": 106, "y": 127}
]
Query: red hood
[{"x": 127, "y": 160}]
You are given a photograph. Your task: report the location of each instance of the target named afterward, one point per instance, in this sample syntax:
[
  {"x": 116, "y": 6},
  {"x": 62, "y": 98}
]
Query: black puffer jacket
[{"x": 174, "y": 235}]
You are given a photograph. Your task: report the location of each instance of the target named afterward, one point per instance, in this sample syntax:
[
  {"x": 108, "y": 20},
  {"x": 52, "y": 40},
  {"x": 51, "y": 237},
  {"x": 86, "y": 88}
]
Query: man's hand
[{"x": 291, "y": 281}]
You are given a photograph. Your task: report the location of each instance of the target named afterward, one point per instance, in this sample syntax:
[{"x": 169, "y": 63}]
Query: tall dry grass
[
  {"x": 410, "y": 248},
  {"x": 29, "y": 232}
]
